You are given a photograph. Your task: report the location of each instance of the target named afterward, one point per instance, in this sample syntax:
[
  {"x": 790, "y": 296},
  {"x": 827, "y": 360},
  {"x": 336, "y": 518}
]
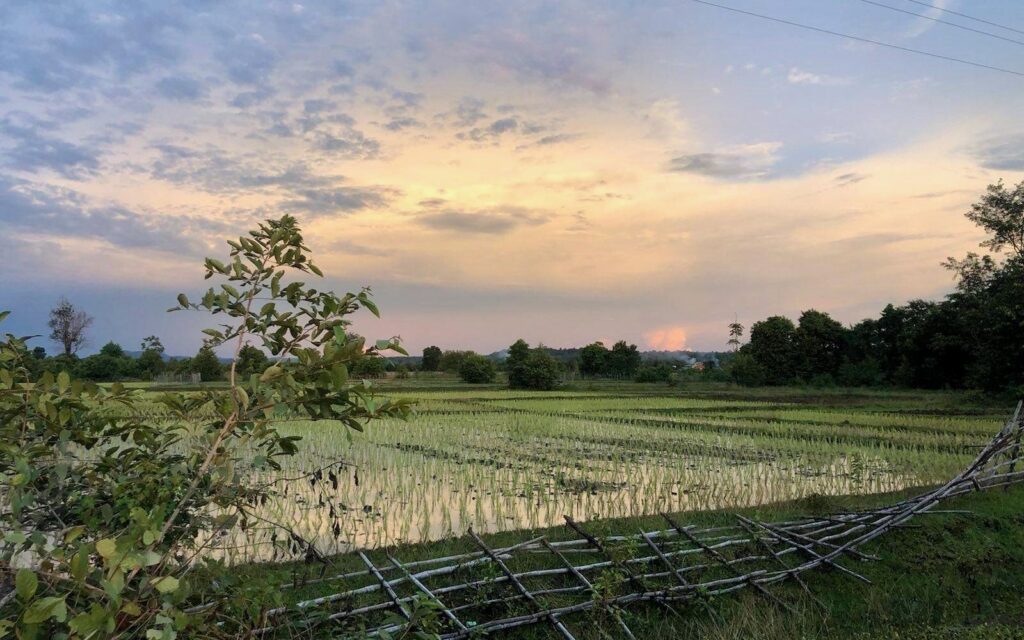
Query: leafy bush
[
  {"x": 107, "y": 512},
  {"x": 531, "y": 368},
  {"x": 745, "y": 370},
  {"x": 370, "y": 367},
  {"x": 476, "y": 369},
  {"x": 657, "y": 372}
]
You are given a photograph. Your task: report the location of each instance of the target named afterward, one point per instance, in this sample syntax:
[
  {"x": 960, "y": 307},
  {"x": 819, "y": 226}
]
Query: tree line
[{"x": 973, "y": 338}]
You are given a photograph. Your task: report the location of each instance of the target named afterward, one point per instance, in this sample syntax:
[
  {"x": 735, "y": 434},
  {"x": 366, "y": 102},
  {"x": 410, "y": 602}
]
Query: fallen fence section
[{"x": 552, "y": 582}]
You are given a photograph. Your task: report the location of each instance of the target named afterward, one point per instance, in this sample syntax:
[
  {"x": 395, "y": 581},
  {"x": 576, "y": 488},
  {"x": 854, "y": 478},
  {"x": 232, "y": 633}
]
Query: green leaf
[
  {"x": 166, "y": 584},
  {"x": 106, "y": 547},
  {"x": 45, "y": 608},
  {"x": 271, "y": 373},
  {"x": 63, "y": 381},
  {"x": 182, "y": 299},
  {"x": 25, "y": 584}
]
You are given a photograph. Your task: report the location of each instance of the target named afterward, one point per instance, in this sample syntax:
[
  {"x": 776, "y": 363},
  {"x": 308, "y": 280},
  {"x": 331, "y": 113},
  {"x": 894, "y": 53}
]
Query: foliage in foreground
[{"x": 104, "y": 518}]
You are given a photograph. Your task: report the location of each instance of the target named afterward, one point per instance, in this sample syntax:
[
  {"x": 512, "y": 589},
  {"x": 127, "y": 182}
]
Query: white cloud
[{"x": 799, "y": 76}]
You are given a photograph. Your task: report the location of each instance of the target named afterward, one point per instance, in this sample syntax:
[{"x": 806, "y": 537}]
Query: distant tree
[
  {"x": 820, "y": 341},
  {"x": 773, "y": 346},
  {"x": 745, "y": 370},
  {"x": 1001, "y": 213},
  {"x": 112, "y": 349},
  {"x": 206, "y": 364},
  {"x": 251, "y": 360},
  {"x": 402, "y": 371},
  {"x": 431, "y": 359},
  {"x": 370, "y": 367},
  {"x": 104, "y": 367},
  {"x": 518, "y": 352},
  {"x": 594, "y": 359},
  {"x": 451, "y": 361},
  {"x": 531, "y": 368},
  {"x": 735, "y": 335},
  {"x": 39, "y": 353},
  {"x": 623, "y": 360},
  {"x": 151, "y": 361},
  {"x": 476, "y": 369},
  {"x": 654, "y": 372},
  {"x": 67, "y": 326},
  {"x": 152, "y": 343}
]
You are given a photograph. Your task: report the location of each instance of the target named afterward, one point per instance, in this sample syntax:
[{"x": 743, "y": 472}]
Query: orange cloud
[{"x": 666, "y": 339}]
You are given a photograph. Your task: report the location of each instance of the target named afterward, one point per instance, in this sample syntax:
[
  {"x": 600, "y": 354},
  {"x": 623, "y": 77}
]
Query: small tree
[
  {"x": 594, "y": 359},
  {"x": 67, "y": 326},
  {"x": 151, "y": 360},
  {"x": 370, "y": 367},
  {"x": 431, "y": 359},
  {"x": 206, "y": 364},
  {"x": 531, "y": 368},
  {"x": 476, "y": 369},
  {"x": 623, "y": 360},
  {"x": 251, "y": 361},
  {"x": 735, "y": 335},
  {"x": 1001, "y": 213},
  {"x": 112, "y": 349},
  {"x": 451, "y": 361}
]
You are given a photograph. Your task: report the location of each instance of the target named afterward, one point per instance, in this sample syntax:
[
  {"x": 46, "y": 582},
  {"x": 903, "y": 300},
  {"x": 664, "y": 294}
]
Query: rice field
[{"x": 498, "y": 460}]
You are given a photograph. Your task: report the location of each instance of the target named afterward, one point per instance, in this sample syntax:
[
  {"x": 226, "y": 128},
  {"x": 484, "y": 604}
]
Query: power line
[
  {"x": 860, "y": 39},
  {"x": 964, "y": 15},
  {"x": 945, "y": 22}
]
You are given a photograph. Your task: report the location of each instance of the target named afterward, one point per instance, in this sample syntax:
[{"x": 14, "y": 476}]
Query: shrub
[
  {"x": 107, "y": 511},
  {"x": 476, "y": 369},
  {"x": 657, "y": 372},
  {"x": 538, "y": 371},
  {"x": 370, "y": 367},
  {"x": 746, "y": 371}
]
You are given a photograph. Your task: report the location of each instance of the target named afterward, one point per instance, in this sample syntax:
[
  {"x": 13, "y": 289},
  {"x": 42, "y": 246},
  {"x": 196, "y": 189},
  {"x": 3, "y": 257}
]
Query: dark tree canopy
[
  {"x": 531, "y": 368},
  {"x": 431, "y": 359},
  {"x": 593, "y": 359},
  {"x": 1000, "y": 212},
  {"x": 476, "y": 369}
]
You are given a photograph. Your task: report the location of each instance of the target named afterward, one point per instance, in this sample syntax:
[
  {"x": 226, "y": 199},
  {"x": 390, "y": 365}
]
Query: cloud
[
  {"x": 350, "y": 144},
  {"x": 749, "y": 161},
  {"x": 32, "y": 149},
  {"x": 666, "y": 339},
  {"x": 45, "y": 210},
  {"x": 398, "y": 124},
  {"x": 1003, "y": 153},
  {"x": 181, "y": 88},
  {"x": 248, "y": 60},
  {"x": 798, "y": 76},
  {"x": 847, "y": 179},
  {"x": 217, "y": 171},
  {"x": 322, "y": 202},
  {"x": 492, "y": 131},
  {"x": 487, "y": 221},
  {"x": 355, "y": 249}
]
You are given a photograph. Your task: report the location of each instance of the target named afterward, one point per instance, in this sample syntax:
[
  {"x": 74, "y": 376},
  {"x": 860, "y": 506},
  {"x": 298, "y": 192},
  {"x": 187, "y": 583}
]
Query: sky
[{"x": 562, "y": 172}]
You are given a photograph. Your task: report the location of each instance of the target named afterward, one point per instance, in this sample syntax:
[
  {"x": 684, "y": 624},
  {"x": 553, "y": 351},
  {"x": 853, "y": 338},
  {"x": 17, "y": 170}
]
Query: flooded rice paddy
[{"x": 498, "y": 460}]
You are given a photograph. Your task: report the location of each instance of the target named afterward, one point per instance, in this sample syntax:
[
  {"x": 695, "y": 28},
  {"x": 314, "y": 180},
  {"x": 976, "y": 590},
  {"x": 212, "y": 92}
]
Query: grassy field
[{"x": 499, "y": 460}]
